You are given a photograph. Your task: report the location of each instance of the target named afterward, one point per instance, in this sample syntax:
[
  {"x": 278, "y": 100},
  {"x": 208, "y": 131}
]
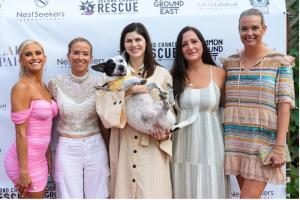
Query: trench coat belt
[{"x": 145, "y": 140}]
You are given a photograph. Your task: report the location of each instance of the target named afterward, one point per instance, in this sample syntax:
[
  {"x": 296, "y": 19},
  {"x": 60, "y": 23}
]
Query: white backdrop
[{"x": 55, "y": 22}]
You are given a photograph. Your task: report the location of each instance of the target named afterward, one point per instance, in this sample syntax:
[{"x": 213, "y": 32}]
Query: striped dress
[{"x": 250, "y": 115}]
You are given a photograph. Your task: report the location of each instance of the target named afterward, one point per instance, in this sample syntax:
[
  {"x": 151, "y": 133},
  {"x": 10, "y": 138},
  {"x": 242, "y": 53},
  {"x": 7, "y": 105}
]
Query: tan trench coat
[{"x": 139, "y": 164}]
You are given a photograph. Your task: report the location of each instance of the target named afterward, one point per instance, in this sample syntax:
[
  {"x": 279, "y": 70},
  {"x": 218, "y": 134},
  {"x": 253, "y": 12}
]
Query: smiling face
[
  {"x": 32, "y": 58},
  {"x": 251, "y": 30},
  {"x": 191, "y": 46},
  {"x": 79, "y": 57},
  {"x": 135, "y": 45}
]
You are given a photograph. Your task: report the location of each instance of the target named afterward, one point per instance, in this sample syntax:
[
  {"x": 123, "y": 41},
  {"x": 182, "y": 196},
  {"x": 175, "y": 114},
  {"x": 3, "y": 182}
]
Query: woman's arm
[
  {"x": 283, "y": 120},
  {"x": 220, "y": 78},
  {"x": 20, "y": 101},
  {"x": 105, "y": 133}
]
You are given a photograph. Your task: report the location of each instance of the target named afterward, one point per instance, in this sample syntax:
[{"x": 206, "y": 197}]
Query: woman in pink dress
[{"x": 32, "y": 112}]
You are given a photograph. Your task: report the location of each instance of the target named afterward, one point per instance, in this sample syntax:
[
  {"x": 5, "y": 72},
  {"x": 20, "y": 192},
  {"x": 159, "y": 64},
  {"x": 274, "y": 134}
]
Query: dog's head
[{"x": 113, "y": 68}]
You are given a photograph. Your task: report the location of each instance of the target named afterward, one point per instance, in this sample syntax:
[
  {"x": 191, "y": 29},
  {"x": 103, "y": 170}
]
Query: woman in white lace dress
[{"x": 81, "y": 162}]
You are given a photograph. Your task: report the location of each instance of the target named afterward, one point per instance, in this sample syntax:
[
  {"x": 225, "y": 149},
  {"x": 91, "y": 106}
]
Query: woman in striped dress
[{"x": 259, "y": 94}]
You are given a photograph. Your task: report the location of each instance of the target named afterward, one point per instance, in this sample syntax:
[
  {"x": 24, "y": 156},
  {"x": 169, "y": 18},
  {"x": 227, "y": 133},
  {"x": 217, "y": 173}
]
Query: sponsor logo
[
  {"x": 9, "y": 57},
  {"x": 1, "y": 2},
  {"x": 9, "y": 193},
  {"x": 261, "y": 5},
  {"x": 50, "y": 189},
  {"x": 267, "y": 194},
  {"x": 215, "y": 47},
  {"x": 217, "y": 4},
  {"x": 12, "y": 193},
  {"x": 168, "y": 7},
  {"x": 119, "y": 7},
  {"x": 166, "y": 50},
  {"x": 37, "y": 15},
  {"x": 163, "y": 50},
  {"x": 63, "y": 63},
  {"x": 3, "y": 107},
  {"x": 41, "y": 3},
  {"x": 87, "y": 7}
]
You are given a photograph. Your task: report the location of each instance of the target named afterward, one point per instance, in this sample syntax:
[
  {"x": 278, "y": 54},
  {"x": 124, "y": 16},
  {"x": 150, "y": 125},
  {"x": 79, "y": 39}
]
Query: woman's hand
[
  {"x": 23, "y": 183},
  {"x": 277, "y": 156},
  {"x": 159, "y": 134},
  {"x": 137, "y": 89},
  {"x": 277, "y": 160},
  {"x": 49, "y": 160}
]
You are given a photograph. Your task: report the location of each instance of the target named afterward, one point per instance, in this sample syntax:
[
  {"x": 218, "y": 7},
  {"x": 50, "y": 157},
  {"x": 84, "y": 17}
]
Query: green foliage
[{"x": 292, "y": 188}]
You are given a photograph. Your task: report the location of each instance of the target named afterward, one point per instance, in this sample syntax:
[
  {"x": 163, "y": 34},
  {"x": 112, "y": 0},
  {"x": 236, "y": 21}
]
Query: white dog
[{"x": 141, "y": 111}]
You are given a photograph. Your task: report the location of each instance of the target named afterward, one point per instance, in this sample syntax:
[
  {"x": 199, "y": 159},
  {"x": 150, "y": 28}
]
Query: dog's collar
[{"x": 116, "y": 85}]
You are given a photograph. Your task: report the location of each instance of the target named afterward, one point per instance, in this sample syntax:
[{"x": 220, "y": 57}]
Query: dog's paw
[
  {"x": 97, "y": 87},
  {"x": 143, "y": 82}
]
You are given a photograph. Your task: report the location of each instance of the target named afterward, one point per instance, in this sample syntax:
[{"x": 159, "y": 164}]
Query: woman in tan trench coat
[{"x": 140, "y": 162}]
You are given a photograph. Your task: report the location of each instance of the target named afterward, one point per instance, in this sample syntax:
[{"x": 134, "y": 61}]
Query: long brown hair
[{"x": 179, "y": 67}]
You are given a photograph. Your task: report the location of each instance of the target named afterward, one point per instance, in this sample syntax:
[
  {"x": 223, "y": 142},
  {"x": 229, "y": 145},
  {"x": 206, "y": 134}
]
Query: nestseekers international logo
[
  {"x": 9, "y": 57},
  {"x": 87, "y": 7},
  {"x": 217, "y": 4},
  {"x": 40, "y": 15},
  {"x": 41, "y": 3},
  {"x": 63, "y": 63},
  {"x": 261, "y": 5},
  {"x": 168, "y": 7}
]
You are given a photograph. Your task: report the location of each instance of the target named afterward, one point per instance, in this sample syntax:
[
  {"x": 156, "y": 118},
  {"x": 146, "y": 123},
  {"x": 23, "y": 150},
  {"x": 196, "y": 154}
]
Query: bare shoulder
[
  {"x": 20, "y": 96},
  {"x": 219, "y": 75},
  {"x": 219, "y": 71},
  {"x": 20, "y": 87}
]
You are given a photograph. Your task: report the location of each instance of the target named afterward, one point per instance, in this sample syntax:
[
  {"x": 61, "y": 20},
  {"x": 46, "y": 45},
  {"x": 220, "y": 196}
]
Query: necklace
[{"x": 189, "y": 82}]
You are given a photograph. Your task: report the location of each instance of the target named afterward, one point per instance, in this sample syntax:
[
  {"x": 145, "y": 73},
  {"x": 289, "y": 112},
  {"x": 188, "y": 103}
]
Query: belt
[{"x": 77, "y": 136}]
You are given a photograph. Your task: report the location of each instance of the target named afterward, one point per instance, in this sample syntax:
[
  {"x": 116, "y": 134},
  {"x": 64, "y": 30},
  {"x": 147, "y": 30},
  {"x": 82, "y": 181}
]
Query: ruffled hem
[
  {"x": 250, "y": 116},
  {"x": 252, "y": 168}
]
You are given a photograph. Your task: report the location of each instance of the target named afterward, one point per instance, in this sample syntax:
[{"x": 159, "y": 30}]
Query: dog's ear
[
  {"x": 100, "y": 67},
  {"x": 123, "y": 54}
]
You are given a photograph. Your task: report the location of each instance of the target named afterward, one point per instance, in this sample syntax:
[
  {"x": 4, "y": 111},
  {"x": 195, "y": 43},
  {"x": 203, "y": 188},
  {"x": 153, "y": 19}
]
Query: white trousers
[{"x": 81, "y": 168}]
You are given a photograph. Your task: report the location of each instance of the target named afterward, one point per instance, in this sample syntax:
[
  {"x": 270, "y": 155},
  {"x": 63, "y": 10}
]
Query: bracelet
[{"x": 279, "y": 149}]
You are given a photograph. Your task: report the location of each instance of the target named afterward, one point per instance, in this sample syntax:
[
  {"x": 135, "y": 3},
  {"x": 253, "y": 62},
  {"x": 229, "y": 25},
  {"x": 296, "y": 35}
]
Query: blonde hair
[
  {"x": 255, "y": 12},
  {"x": 21, "y": 48}
]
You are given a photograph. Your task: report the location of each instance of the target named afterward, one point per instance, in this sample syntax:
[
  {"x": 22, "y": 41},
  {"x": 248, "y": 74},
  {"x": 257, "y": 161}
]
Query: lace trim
[{"x": 79, "y": 79}]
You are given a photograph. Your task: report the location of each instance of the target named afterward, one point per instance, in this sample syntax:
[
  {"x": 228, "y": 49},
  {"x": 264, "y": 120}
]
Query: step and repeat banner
[{"x": 54, "y": 23}]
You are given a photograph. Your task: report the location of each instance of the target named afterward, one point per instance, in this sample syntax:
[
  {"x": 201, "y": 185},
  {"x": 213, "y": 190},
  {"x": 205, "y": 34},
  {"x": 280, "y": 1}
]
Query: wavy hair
[
  {"x": 179, "y": 67},
  {"x": 149, "y": 61}
]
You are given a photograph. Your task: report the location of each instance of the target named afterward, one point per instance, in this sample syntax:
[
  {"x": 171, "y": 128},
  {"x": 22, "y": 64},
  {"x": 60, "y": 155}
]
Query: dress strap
[
  {"x": 21, "y": 116},
  {"x": 211, "y": 72}
]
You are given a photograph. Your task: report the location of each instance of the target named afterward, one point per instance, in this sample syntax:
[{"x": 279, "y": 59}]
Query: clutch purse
[{"x": 265, "y": 154}]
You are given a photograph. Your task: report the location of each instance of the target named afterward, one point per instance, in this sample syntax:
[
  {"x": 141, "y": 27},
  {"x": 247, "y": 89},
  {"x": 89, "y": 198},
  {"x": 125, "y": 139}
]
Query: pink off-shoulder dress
[{"x": 39, "y": 116}]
